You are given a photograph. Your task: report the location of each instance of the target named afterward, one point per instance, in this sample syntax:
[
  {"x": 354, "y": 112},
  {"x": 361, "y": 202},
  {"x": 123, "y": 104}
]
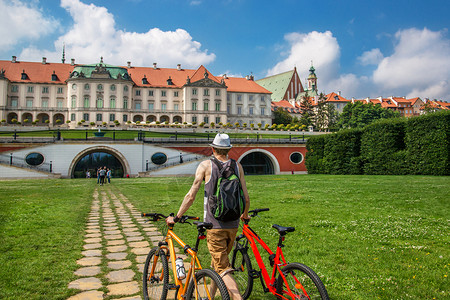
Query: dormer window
[
  {"x": 144, "y": 80},
  {"x": 54, "y": 76},
  {"x": 169, "y": 81},
  {"x": 24, "y": 75}
]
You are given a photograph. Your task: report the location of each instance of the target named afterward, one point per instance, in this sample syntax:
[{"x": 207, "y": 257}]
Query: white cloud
[
  {"x": 419, "y": 66},
  {"x": 195, "y": 2},
  {"x": 94, "y": 34},
  {"x": 321, "y": 48},
  {"x": 372, "y": 57},
  {"x": 20, "y": 21}
]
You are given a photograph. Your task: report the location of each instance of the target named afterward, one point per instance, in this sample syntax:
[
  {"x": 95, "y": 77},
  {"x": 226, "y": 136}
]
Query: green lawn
[{"x": 368, "y": 237}]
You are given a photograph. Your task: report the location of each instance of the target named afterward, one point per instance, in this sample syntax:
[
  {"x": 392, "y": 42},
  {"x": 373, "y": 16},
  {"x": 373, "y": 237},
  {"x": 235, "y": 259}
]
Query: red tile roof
[
  {"x": 236, "y": 84},
  {"x": 333, "y": 97},
  {"x": 36, "y": 72}
]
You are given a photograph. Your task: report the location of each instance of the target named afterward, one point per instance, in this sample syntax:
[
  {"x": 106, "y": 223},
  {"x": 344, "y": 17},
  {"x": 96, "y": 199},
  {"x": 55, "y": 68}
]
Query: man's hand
[
  {"x": 170, "y": 221},
  {"x": 245, "y": 216}
]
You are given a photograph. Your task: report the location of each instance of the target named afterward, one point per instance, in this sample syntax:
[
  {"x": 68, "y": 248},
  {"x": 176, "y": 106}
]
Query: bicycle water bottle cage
[
  {"x": 283, "y": 230},
  {"x": 272, "y": 259}
]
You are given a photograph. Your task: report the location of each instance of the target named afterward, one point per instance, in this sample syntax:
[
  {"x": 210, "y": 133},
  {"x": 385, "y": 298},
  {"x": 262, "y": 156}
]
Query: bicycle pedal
[{"x": 172, "y": 286}]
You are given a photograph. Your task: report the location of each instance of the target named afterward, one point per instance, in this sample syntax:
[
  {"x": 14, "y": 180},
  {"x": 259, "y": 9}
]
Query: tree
[
  {"x": 326, "y": 115},
  {"x": 306, "y": 111},
  {"x": 359, "y": 114},
  {"x": 281, "y": 116}
]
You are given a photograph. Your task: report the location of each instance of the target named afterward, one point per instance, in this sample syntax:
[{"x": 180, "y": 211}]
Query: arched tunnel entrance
[
  {"x": 93, "y": 159},
  {"x": 257, "y": 163}
]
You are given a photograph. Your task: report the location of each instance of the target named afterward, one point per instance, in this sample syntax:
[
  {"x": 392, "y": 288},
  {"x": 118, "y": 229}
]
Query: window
[
  {"x": 100, "y": 87},
  {"x": 99, "y": 102},
  {"x": 250, "y": 110},
  {"x": 194, "y": 105},
  {"x": 250, "y": 98},
  {"x": 59, "y": 104},
  {"x": 206, "y": 120},
  {"x": 99, "y": 117},
  {"x": 34, "y": 159},
  {"x": 137, "y": 105},
  {"x": 125, "y": 118},
  {"x": 217, "y": 106},
  {"x": 217, "y": 120},
  {"x": 296, "y": 157},
  {"x": 239, "y": 97},
  {"x": 74, "y": 86},
  {"x": 86, "y": 117},
  {"x": 72, "y": 117},
  {"x": 150, "y": 93},
  {"x": 159, "y": 158},
  {"x": 14, "y": 101},
  {"x": 59, "y": 90},
  {"x": 14, "y": 88},
  {"x": 151, "y": 106},
  {"x": 163, "y": 106},
  {"x": 125, "y": 102},
  {"x": 112, "y": 117},
  {"x": 176, "y": 107},
  {"x": 206, "y": 92},
  {"x": 194, "y": 119},
  {"x": 138, "y": 92},
  {"x": 31, "y": 89},
  {"x": 217, "y": 92},
  {"x": 113, "y": 87},
  {"x": 44, "y": 102},
  {"x": 45, "y": 90},
  {"x": 175, "y": 94},
  {"x": 263, "y": 99},
  {"x": 112, "y": 102},
  {"x": 239, "y": 110},
  {"x": 163, "y": 93},
  {"x": 125, "y": 88},
  {"x": 87, "y": 86},
  {"x": 228, "y": 109},
  {"x": 73, "y": 103},
  {"x": 86, "y": 103},
  {"x": 262, "y": 111},
  {"x": 29, "y": 103},
  {"x": 194, "y": 91},
  {"x": 206, "y": 106}
]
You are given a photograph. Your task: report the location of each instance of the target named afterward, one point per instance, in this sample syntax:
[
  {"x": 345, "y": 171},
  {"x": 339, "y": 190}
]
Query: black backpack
[{"x": 227, "y": 202}]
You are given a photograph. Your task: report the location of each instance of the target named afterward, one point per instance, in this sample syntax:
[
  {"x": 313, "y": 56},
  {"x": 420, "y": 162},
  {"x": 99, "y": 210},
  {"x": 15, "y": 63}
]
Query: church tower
[{"x": 312, "y": 80}]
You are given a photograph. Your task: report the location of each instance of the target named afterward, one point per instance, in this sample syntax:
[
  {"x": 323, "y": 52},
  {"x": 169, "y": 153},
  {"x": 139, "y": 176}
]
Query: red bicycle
[{"x": 288, "y": 280}]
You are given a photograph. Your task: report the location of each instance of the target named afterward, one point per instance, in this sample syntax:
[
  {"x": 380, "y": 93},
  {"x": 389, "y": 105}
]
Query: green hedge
[
  {"x": 380, "y": 143},
  {"x": 314, "y": 155},
  {"x": 341, "y": 152},
  {"x": 418, "y": 145},
  {"x": 428, "y": 144}
]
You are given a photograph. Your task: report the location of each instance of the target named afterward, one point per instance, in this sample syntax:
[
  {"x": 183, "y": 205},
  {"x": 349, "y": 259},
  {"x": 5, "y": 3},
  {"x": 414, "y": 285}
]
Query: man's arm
[
  {"x": 244, "y": 189},
  {"x": 190, "y": 196}
]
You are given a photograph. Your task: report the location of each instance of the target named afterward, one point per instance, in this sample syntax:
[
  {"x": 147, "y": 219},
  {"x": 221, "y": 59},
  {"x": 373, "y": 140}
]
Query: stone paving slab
[
  {"x": 94, "y": 252},
  {"x": 89, "y": 283},
  {"x": 92, "y": 246},
  {"x": 89, "y": 295},
  {"x": 89, "y": 261},
  {"x": 125, "y": 288},
  {"x": 117, "y": 256},
  {"x": 120, "y": 276},
  {"x": 134, "y": 238},
  {"x": 93, "y": 235},
  {"x": 139, "y": 244},
  {"x": 113, "y": 237},
  {"x": 119, "y": 248},
  {"x": 115, "y": 242},
  {"x": 88, "y": 271},
  {"x": 93, "y": 240},
  {"x": 120, "y": 264}
]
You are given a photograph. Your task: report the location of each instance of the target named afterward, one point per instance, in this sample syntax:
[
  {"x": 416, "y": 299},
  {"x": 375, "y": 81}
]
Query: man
[{"x": 221, "y": 237}]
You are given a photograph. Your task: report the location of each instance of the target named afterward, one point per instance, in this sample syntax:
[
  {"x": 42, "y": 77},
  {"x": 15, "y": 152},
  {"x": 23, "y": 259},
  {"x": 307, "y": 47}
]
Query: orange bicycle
[
  {"x": 195, "y": 283},
  {"x": 288, "y": 280}
]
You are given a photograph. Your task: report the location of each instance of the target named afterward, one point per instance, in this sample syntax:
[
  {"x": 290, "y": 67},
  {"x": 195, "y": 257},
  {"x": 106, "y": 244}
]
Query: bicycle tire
[
  {"x": 207, "y": 277},
  {"x": 156, "y": 286},
  {"x": 242, "y": 266},
  {"x": 301, "y": 278}
]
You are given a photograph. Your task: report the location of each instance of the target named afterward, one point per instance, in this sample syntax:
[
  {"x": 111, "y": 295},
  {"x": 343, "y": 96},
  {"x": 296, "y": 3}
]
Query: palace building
[{"x": 58, "y": 93}]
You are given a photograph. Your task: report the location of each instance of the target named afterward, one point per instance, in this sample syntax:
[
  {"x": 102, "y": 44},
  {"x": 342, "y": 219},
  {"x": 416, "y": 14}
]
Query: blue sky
[{"x": 362, "y": 48}]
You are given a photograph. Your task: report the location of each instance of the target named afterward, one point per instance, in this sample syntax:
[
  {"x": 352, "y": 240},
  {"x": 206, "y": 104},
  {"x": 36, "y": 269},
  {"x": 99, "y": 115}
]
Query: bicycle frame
[{"x": 168, "y": 246}]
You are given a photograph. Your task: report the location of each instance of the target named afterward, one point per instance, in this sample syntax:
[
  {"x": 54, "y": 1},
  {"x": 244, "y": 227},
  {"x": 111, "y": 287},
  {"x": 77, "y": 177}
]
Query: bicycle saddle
[
  {"x": 283, "y": 230},
  {"x": 203, "y": 225}
]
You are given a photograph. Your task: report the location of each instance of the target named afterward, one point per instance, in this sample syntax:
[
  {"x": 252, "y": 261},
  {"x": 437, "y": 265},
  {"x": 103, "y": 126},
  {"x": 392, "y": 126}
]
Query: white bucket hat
[{"x": 221, "y": 141}]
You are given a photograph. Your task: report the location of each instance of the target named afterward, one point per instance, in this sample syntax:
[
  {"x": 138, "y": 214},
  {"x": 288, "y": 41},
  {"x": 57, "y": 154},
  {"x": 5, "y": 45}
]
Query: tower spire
[{"x": 64, "y": 53}]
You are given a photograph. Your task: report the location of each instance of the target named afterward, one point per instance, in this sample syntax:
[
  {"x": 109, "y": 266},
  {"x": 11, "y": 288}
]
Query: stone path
[{"x": 117, "y": 242}]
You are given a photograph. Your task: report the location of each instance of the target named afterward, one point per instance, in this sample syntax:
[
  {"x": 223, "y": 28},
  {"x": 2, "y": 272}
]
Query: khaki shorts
[{"x": 220, "y": 242}]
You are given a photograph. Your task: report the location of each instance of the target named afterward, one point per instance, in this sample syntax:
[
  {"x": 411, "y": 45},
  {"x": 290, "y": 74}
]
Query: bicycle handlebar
[
  {"x": 255, "y": 212},
  {"x": 158, "y": 216}
]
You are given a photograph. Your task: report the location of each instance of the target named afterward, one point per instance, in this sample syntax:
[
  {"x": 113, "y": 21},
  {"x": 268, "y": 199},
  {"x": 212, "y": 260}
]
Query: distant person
[
  {"x": 102, "y": 174},
  {"x": 108, "y": 175},
  {"x": 88, "y": 174},
  {"x": 98, "y": 175},
  {"x": 181, "y": 158}
]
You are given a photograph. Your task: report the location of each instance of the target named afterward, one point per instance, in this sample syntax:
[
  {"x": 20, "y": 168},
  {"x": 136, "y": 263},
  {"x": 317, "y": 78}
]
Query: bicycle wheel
[
  {"x": 209, "y": 286},
  {"x": 242, "y": 266},
  {"x": 155, "y": 279},
  {"x": 303, "y": 283}
]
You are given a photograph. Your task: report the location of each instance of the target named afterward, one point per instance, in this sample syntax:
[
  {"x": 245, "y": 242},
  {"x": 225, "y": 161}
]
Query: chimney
[
  {"x": 224, "y": 76},
  {"x": 72, "y": 61},
  {"x": 44, "y": 60},
  {"x": 14, "y": 59},
  {"x": 247, "y": 77},
  {"x": 128, "y": 64},
  {"x": 179, "y": 67},
  {"x": 339, "y": 93},
  {"x": 154, "y": 66}
]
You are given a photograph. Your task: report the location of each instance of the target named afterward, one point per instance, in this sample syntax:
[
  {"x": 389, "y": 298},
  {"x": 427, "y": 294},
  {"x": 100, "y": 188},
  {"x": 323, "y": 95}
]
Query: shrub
[
  {"x": 68, "y": 122},
  {"x": 58, "y": 121},
  {"x": 213, "y": 125},
  {"x": 47, "y": 121},
  {"x": 202, "y": 124},
  {"x": 14, "y": 121},
  {"x": 314, "y": 155},
  {"x": 428, "y": 143},
  {"x": 92, "y": 123}
]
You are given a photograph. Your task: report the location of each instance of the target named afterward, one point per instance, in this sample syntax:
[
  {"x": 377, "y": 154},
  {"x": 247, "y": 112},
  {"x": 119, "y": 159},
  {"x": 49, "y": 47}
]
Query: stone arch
[
  {"x": 109, "y": 150},
  {"x": 164, "y": 118},
  {"x": 59, "y": 117},
  {"x": 270, "y": 156},
  {"x": 151, "y": 118},
  {"x": 12, "y": 116},
  {"x": 27, "y": 116},
  {"x": 138, "y": 118},
  {"x": 41, "y": 118},
  {"x": 178, "y": 119}
]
